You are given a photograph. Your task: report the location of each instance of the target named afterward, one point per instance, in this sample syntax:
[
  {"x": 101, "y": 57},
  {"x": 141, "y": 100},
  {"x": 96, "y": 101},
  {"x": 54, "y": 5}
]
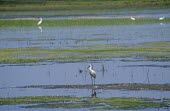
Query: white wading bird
[
  {"x": 39, "y": 21},
  {"x": 161, "y": 18},
  {"x": 92, "y": 73},
  {"x": 132, "y": 18}
]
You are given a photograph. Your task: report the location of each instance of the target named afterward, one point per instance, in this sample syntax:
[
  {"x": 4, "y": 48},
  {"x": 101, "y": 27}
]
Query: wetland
[{"x": 46, "y": 68}]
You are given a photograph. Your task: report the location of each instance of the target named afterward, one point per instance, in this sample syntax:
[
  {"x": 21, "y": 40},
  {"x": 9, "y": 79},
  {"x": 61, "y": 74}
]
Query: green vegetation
[
  {"x": 75, "y": 54},
  {"x": 81, "y": 22},
  {"x": 81, "y": 102},
  {"x": 27, "y": 5},
  {"x": 36, "y": 99},
  {"x": 127, "y": 103},
  {"x": 159, "y": 44}
]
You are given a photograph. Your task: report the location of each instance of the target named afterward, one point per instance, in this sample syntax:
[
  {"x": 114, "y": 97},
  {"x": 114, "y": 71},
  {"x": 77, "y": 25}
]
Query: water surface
[{"x": 62, "y": 37}]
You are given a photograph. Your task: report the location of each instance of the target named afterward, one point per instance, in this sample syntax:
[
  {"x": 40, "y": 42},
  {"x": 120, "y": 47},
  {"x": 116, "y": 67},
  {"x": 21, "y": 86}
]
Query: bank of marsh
[
  {"x": 152, "y": 51},
  {"x": 82, "y": 22}
]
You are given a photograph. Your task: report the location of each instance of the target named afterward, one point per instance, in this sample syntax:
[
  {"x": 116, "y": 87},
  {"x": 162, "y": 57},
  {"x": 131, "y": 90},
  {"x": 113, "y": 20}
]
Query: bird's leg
[
  {"x": 92, "y": 80},
  {"x": 92, "y": 91}
]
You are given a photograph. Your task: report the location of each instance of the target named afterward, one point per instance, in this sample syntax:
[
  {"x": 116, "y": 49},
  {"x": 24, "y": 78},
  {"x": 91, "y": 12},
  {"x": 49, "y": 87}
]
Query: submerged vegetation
[
  {"x": 84, "y": 102},
  {"x": 82, "y": 22},
  {"x": 151, "y": 51}
]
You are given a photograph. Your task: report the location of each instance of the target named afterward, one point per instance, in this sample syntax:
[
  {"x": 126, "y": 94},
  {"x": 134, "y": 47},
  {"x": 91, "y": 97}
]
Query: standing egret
[
  {"x": 132, "y": 18},
  {"x": 161, "y": 18},
  {"x": 39, "y": 21},
  {"x": 92, "y": 73}
]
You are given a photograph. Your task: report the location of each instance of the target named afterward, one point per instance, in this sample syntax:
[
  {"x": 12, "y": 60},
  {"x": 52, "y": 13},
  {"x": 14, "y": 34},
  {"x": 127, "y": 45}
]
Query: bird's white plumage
[
  {"x": 132, "y": 18},
  {"x": 161, "y": 18},
  {"x": 92, "y": 73},
  {"x": 39, "y": 21}
]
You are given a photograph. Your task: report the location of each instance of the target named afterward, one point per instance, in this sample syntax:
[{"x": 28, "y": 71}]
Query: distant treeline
[
  {"x": 44, "y": 1},
  {"x": 21, "y": 1},
  {"x": 34, "y": 5}
]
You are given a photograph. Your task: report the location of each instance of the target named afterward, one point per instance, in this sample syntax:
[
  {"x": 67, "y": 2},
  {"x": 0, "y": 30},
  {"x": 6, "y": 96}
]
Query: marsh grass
[
  {"x": 83, "y": 102},
  {"x": 76, "y": 54},
  {"x": 81, "y": 22}
]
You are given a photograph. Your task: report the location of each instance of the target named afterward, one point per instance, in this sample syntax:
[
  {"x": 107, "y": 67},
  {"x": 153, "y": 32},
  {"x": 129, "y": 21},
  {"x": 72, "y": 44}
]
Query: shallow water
[
  {"x": 61, "y": 37},
  {"x": 18, "y": 107},
  {"x": 108, "y": 72},
  {"x": 101, "y": 93}
]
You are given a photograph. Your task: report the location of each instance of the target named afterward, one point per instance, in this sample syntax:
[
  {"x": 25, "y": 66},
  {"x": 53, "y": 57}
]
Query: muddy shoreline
[{"x": 129, "y": 86}]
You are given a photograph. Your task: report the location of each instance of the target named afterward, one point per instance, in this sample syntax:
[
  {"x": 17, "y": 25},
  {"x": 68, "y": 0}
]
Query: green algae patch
[
  {"x": 151, "y": 52},
  {"x": 36, "y": 99},
  {"x": 67, "y": 105},
  {"x": 81, "y": 22},
  {"x": 128, "y": 103},
  {"x": 83, "y": 102}
]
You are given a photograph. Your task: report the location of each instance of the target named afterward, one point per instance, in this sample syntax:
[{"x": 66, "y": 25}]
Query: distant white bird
[
  {"x": 39, "y": 21},
  {"x": 92, "y": 73},
  {"x": 132, "y": 18},
  {"x": 40, "y": 28},
  {"x": 161, "y": 18}
]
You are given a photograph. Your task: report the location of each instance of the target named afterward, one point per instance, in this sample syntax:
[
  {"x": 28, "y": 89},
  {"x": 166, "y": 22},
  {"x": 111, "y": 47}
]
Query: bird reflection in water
[
  {"x": 40, "y": 28},
  {"x": 93, "y": 93}
]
